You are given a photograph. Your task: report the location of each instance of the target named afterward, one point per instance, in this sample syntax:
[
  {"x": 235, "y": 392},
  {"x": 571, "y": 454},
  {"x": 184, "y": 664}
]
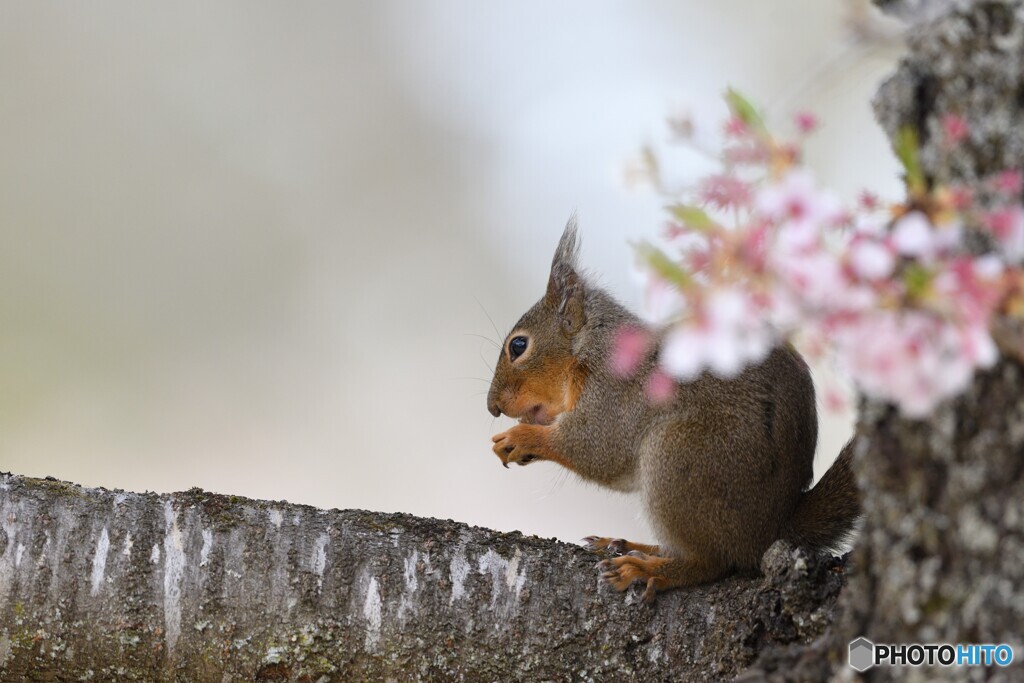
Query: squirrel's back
[{"x": 739, "y": 450}]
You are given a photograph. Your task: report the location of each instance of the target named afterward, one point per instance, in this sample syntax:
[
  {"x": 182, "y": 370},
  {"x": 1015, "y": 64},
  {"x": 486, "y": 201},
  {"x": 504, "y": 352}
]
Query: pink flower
[
  {"x": 988, "y": 267},
  {"x": 868, "y": 200},
  {"x": 791, "y": 263},
  {"x": 725, "y": 191},
  {"x": 799, "y": 207},
  {"x": 814, "y": 284},
  {"x": 871, "y": 260},
  {"x": 912, "y": 235},
  {"x": 969, "y": 289},
  {"x": 954, "y": 128},
  {"x": 1007, "y": 225},
  {"x": 729, "y": 336},
  {"x": 660, "y": 388},
  {"x": 736, "y": 127},
  {"x": 806, "y": 122},
  {"x": 1008, "y": 182},
  {"x": 745, "y": 154},
  {"x": 834, "y": 399},
  {"x": 628, "y": 350},
  {"x": 870, "y": 224},
  {"x": 978, "y": 346},
  {"x": 912, "y": 358},
  {"x": 662, "y": 302},
  {"x": 961, "y": 198}
]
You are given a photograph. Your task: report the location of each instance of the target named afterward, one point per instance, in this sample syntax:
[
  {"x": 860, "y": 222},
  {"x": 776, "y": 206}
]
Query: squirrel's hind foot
[
  {"x": 658, "y": 573},
  {"x": 622, "y": 572}
]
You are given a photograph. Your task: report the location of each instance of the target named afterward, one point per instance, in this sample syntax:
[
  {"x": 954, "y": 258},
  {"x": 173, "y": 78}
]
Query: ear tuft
[
  {"x": 568, "y": 250},
  {"x": 565, "y": 286}
]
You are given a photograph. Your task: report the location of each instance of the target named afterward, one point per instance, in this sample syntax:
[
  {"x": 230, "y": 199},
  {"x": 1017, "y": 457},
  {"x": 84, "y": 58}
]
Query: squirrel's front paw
[{"x": 518, "y": 445}]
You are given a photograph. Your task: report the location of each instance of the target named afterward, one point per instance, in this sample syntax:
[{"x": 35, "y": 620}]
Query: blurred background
[{"x": 258, "y": 247}]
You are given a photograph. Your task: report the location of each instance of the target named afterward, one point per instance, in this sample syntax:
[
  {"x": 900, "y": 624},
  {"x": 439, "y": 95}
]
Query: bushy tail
[{"x": 827, "y": 514}]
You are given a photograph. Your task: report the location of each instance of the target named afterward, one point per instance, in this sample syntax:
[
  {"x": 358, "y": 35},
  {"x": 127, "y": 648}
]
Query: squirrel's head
[{"x": 537, "y": 376}]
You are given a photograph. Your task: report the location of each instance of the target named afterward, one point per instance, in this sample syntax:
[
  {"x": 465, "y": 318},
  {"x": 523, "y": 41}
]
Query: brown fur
[
  {"x": 722, "y": 470},
  {"x": 555, "y": 385},
  {"x": 525, "y": 443}
]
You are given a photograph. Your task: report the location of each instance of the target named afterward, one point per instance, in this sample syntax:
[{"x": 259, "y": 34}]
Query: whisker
[
  {"x": 484, "y": 360},
  {"x": 498, "y": 334},
  {"x": 486, "y": 339},
  {"x": 558, "y": 481}
]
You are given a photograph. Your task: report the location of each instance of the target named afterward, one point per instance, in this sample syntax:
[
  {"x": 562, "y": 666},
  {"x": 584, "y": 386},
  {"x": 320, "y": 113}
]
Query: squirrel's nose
[{"x": 492, "y": 399}]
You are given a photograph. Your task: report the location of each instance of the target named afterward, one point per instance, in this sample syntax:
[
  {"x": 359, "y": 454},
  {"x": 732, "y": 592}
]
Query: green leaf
[
  {"x": 745, "y": 111},
  {"x": 917, "y": 279},
  {"x": 906, "y": 149},
  {"x": 692, "y": 217},
  {"x": 663, "y": 266}
]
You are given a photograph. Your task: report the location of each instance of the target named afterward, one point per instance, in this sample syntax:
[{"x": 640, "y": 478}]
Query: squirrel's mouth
[{"x": 537, "y": 415}]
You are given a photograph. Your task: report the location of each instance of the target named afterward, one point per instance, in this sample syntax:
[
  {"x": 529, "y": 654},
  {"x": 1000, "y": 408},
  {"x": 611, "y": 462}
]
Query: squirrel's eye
[{"x": 516, "y": 347}]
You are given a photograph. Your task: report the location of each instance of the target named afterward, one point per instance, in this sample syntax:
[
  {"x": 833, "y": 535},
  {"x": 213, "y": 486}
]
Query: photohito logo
[{"x": 864, "y": 654}]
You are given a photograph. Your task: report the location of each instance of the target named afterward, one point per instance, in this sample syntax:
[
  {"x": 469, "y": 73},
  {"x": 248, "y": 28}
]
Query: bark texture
[
  {"x": 941, "y": 555},
  {"x": 941, "y": 558},
  {"x": 112, "y": 586}
]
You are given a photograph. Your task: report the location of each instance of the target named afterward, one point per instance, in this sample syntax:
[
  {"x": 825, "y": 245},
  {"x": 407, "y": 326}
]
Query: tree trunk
[
  {"x": 112, "y": 586},
  {"x": 941, "y": 557}
]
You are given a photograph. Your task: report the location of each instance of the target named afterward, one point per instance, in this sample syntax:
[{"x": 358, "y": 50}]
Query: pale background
[{"x": 247, "y": 245}]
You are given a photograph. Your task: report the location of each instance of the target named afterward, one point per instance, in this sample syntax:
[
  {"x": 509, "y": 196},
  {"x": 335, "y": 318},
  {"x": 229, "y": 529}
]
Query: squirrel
[{"x": 723, "y": 468}]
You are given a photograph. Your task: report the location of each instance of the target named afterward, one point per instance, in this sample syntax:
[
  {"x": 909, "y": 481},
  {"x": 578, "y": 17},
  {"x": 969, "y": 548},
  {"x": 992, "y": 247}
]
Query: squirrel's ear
[{"x": 565, "y": 286}]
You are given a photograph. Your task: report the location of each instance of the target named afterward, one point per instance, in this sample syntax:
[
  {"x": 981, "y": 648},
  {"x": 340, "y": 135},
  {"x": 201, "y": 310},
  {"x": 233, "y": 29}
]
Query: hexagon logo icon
[{"x": 862, "y": 654}]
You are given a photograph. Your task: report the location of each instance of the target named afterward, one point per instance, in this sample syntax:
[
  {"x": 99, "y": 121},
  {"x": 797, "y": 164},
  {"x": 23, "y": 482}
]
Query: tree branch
[{"x": 108, "y": 585}]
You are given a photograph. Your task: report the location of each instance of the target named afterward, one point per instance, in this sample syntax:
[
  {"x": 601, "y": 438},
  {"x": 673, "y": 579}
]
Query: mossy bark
[{"x": 112, "y": 586}]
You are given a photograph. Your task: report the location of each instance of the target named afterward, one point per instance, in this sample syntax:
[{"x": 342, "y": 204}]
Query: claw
[
  {"x": 649, "y": 593},
  {"x": 597, "y": 543}
]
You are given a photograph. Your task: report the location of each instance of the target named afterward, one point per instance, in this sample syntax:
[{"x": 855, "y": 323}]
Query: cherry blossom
[
  {"x": 1007, "y": 225},
  {"x": 765, "y": 255},
  {"x": 729, "y": 336},
  {"x": 871, "y": 260},
  {"x": 913, "y": 235},
  {"x": 630, "y": 347},
  {"x": 806, "y": 121},
  {"x": 955, "y": 129},
  {"x": 1008, "y": 182}
]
